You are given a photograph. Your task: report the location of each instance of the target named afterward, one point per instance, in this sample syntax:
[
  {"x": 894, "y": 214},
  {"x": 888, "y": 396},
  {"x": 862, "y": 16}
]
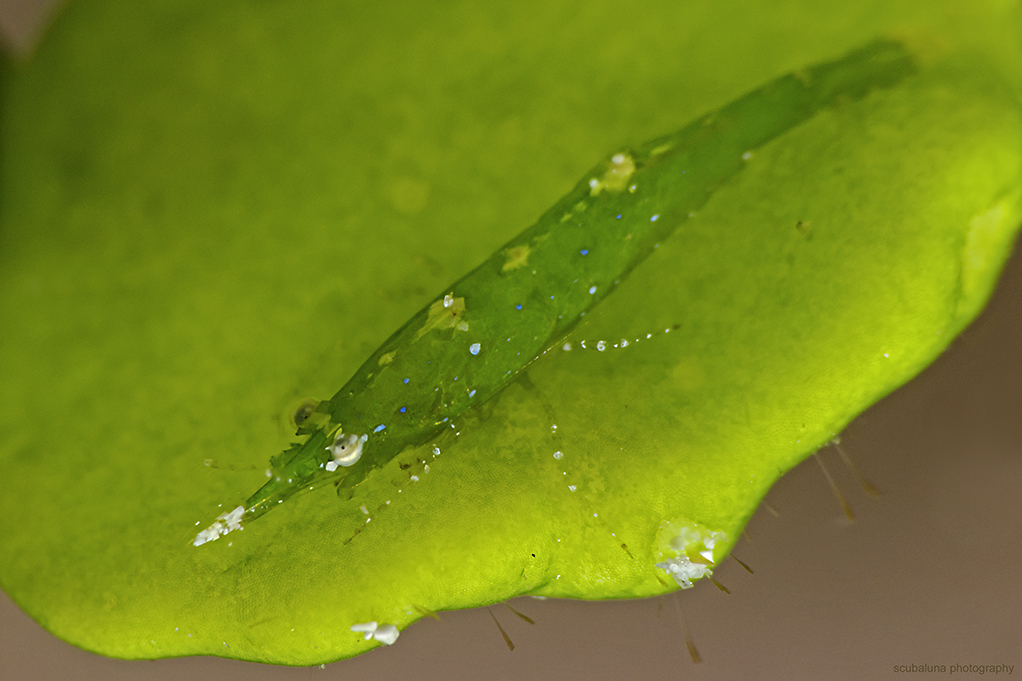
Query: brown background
[{"x": 929, "y": 574}]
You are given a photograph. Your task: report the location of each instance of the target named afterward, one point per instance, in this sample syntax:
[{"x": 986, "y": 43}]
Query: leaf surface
[{"x": 210, "y": 213}]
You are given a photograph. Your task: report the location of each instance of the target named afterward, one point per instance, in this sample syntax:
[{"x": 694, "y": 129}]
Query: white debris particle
[
  {"x": 746, "y": 156},
  {"x": 386, "y": 634},
  {"x": 474, "y": 348},
  {"x": 624, "y": 343},
  {"x": 558, "y": 455},
  {"x": 364, "y": 509},
  {"x": 414, "y": 478},
  {"x": 566, "y": 347},
  {"x": 331, "y": 466},
  {"x": 684, "y": 570},
  {"x": 601, "y": 346},
  {"x": 367, "y": 629},
  {"x": 449, "y": 300},
  {"x": 572, "y": 488},
  {"x": 592, "y": 290}
]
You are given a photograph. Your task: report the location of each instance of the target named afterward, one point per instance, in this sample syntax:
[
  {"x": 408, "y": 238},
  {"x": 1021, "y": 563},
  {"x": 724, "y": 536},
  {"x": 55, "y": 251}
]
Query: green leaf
[{"x": 210, "y": 213}]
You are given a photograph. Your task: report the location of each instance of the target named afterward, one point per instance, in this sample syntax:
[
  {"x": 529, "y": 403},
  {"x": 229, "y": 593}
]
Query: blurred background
[{"x": 929, "y": 574}]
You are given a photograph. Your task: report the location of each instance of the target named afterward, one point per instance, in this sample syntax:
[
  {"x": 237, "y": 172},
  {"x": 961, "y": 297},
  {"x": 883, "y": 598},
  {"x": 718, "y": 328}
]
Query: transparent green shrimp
[{"x": 469, "y": 344}]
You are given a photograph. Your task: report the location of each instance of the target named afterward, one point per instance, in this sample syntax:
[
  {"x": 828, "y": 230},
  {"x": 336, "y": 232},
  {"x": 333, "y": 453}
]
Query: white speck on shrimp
[
  {"x": 474, "y": 348},
  {"x": 558, "y": 455},
  {"x": 566, "y": 347},
  {"x": 572, "y": 487},
  {"x": 746, "y": 156},
  {"x": 364, "y": 509},
  {"x": 592, "y": 290}
]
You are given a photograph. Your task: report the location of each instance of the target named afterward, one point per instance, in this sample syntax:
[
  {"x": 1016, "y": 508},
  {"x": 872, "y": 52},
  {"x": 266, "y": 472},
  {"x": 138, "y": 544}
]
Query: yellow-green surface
[{"x": 210, "y": 212}]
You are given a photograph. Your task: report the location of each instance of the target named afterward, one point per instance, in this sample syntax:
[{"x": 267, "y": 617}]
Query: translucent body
[{"x": 471, "y": 342}]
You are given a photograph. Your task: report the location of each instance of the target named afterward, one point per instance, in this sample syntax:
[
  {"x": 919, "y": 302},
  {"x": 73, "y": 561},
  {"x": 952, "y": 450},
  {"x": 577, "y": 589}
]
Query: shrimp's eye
[
  {"x": 346, "y": 450},
  {"x": 303, "y": 412}
]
